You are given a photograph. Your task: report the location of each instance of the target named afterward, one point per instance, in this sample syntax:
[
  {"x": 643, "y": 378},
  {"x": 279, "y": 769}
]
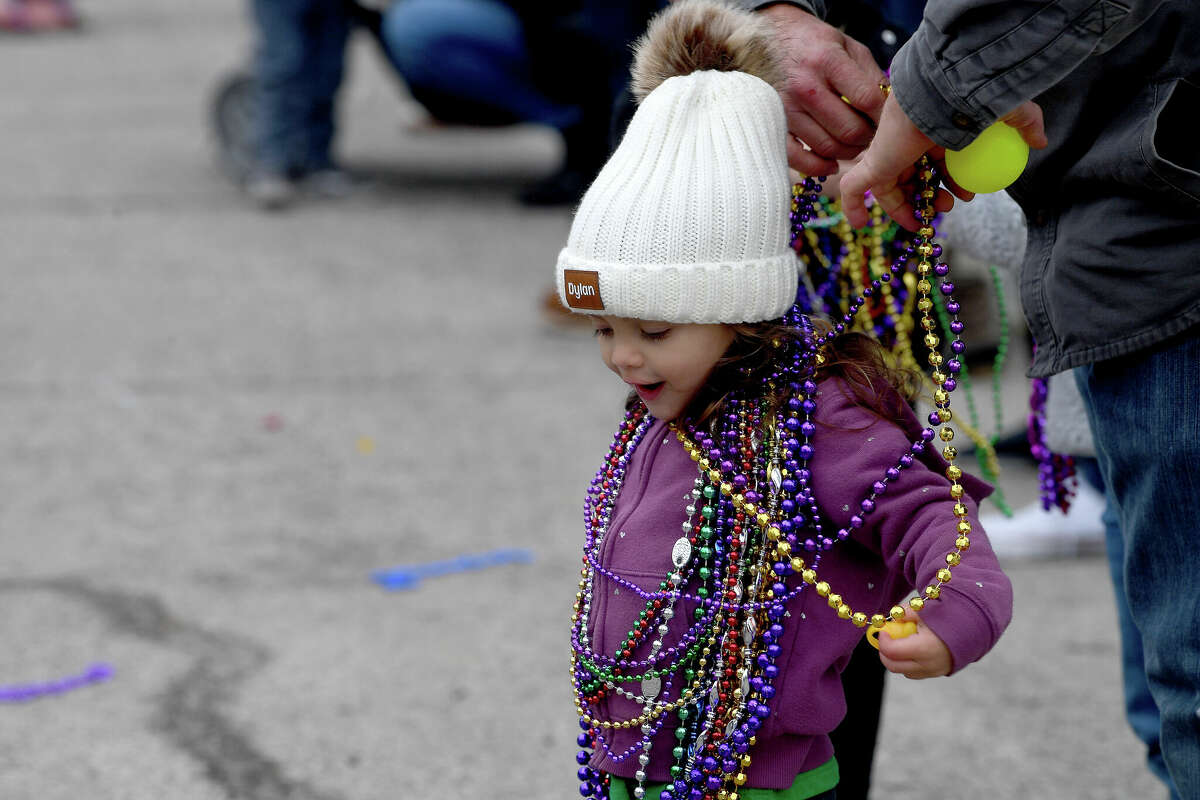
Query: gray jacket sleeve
[
  {"x": 814, "y": 7},
  {"x": 972, "y": 61}
]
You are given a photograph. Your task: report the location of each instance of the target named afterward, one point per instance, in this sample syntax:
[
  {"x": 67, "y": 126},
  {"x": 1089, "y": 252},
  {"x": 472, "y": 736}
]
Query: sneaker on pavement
[
  {"x": 270, "y": 191},
  {"x": 1034, "y": 532},
  {"x": 332, "y": 183}
]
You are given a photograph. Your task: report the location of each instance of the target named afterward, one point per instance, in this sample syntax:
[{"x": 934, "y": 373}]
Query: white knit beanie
[{"x": 688, "y": 220}]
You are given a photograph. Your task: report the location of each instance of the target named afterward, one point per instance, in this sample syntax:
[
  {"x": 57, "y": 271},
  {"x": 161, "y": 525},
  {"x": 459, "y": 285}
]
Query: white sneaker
[
  {"x": 270, "y": 191},
  {"x": 1033, "y": 532},
  {"x": 332, "y": 183}
]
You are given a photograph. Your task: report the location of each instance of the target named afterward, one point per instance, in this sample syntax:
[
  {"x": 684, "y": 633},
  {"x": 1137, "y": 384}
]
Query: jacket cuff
[
  {"x": 930, "y": 101},
  {"x": 968, "y": 631}
]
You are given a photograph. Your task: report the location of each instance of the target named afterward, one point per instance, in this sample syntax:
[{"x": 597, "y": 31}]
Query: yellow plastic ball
[{"x": 990, "y": 163}]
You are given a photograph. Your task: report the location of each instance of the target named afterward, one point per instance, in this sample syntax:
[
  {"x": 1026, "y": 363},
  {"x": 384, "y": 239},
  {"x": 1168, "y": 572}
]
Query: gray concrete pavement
[{"x": 151, "y": 323}]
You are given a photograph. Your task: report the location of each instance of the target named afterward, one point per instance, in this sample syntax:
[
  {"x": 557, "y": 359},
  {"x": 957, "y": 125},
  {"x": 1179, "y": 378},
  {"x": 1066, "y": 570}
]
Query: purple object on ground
[{"x": 22, "y": 693}]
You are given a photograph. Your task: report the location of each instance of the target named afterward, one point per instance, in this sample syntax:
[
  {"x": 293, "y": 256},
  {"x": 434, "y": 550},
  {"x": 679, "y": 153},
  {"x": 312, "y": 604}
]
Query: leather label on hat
[{"x": 583, "y": 289}]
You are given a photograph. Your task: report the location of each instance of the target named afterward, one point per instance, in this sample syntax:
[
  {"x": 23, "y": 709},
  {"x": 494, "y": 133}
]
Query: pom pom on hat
[
  {"x": 688, "y": 221},
  {"x": 703, "y": 35}
]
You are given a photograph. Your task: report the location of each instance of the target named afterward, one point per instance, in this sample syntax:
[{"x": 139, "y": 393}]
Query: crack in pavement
[{"x": 190, "y": 711}]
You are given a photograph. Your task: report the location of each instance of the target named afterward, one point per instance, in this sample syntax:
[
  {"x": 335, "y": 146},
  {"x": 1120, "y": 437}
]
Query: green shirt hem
[{"x": 807, "y": 784}]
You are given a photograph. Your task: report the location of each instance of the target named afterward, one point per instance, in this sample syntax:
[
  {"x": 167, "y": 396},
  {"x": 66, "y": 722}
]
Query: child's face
[{"x": 666, "y": 363}]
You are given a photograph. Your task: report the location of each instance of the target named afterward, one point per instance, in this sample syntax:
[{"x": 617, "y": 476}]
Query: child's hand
[{"x": 919, "y": 655}]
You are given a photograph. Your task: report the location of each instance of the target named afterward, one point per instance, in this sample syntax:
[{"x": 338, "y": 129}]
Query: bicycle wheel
[{"x": 232, "y": 119}]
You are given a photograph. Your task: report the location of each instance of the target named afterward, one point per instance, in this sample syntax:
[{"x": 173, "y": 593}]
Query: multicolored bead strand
[{"x": 837, "y": 257}]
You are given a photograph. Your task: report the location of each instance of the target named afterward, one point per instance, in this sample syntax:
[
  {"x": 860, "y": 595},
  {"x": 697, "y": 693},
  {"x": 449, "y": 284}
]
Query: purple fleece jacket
[{"x": 900, "y": 546}]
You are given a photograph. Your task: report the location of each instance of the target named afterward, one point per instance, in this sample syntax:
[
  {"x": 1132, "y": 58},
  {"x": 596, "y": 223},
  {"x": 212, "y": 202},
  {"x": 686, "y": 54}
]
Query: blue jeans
[
  {"x": 467, "y": 61},
  {"x": 299, "y": 66},
  {"x": 1145, "y": 418},
  {"x": 1140, "y": 708}
]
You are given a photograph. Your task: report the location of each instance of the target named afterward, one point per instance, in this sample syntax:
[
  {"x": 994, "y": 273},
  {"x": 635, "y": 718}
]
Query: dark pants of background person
[
  {"x": 299, "y": 66},
  {"x": 468, "y": 61},
  {"x": 486, "y": 62},
  {"x": 1145, "y": 419}
]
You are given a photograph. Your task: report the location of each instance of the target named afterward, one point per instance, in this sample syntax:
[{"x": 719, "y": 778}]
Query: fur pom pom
[{"x": 694, "y": 35}]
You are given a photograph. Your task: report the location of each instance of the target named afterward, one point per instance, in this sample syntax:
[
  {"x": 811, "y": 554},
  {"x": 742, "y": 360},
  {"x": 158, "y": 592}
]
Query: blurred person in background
[
  {"x": 37, "y": 16},
  {"x": 299, "y": 65},
  {"x": 487, "y": 62}
]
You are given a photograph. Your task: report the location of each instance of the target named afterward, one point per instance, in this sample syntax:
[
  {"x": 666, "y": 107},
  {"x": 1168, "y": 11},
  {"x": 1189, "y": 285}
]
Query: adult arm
[
  {"x": 970, "y": 63},
  {"x": 822, "y": 65}
]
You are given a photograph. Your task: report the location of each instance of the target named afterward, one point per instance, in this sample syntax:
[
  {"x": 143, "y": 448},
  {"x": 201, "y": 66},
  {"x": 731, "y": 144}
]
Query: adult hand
[
  {"x": 918, "y": 655},
  {"x": 822, "y": 65},
  {"x": 887, "y": 167}
]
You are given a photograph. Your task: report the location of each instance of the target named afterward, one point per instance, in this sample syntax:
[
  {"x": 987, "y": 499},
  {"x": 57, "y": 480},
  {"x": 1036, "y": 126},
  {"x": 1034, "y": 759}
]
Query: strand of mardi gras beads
[
  {"x": 985, "y": 450},
  {"x": 891, "y": 320},
  {"x": 1056, "y": 472},
  {"x": 928, "y": 182},
  {"x": 861, "y": 257}
]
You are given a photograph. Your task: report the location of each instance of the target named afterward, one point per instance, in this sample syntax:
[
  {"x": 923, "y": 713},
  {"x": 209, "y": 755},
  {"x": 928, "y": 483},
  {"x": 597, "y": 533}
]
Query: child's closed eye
[
  {"x": 655, "y": 336},
  {"x": 602, "y": 332}
]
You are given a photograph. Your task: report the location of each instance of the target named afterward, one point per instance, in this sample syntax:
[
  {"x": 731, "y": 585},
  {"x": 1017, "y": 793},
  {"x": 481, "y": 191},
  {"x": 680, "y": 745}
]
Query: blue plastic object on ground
[{"x": 409, "y": 576}]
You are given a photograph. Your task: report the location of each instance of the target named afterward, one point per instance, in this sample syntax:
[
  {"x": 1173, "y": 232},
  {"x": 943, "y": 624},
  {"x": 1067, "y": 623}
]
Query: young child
[{"x": 769, "y": 495}]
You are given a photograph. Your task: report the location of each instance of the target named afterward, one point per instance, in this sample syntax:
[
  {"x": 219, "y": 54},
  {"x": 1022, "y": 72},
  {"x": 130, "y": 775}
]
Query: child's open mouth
[{"x": 648, "y": 391}]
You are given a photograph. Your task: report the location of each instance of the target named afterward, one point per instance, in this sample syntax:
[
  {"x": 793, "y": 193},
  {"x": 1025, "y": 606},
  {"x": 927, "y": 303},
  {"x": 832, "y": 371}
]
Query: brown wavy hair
[{"x": 870, "y": 372}]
